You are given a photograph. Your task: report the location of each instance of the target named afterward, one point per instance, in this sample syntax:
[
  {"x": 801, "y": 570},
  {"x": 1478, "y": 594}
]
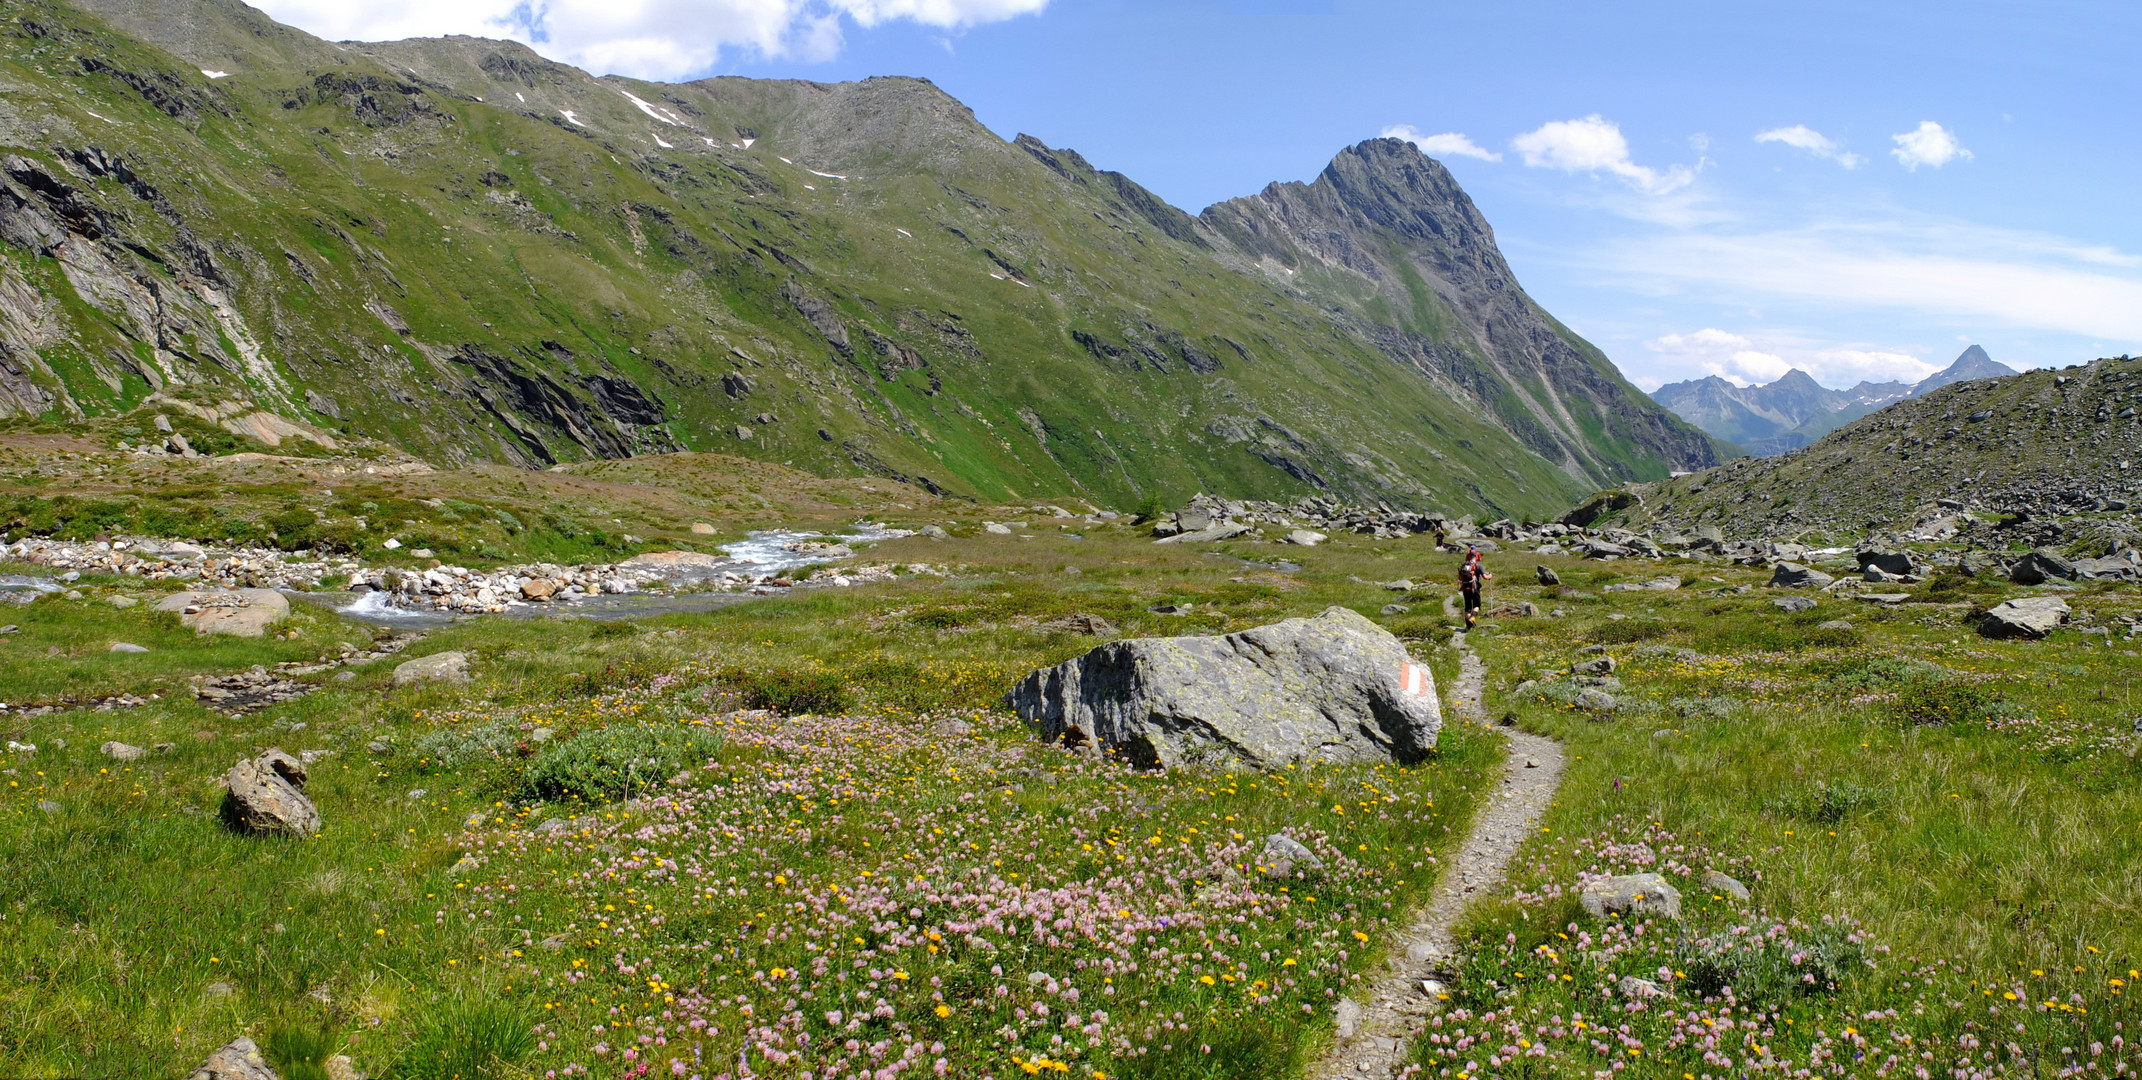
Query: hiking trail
[{"x": 1375, "y": 1038}]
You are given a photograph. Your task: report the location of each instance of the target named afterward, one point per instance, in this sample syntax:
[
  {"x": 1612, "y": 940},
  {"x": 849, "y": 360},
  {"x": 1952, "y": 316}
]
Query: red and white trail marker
[{"x": 1413, "y": 678}]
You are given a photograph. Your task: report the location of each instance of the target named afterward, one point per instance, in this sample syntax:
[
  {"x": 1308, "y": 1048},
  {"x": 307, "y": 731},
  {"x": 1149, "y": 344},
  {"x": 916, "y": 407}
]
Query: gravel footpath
[{"x": 1374, "y": 1038}]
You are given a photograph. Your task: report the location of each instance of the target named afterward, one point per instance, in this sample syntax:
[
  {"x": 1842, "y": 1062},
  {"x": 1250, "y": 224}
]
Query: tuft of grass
[
  {"x": 467, "y": 1039},
  {"x": 300, "y": 1052}
]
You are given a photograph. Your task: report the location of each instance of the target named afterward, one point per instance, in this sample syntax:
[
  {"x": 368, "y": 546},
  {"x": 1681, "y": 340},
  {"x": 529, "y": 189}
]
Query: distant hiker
[
  {"x": 1440, "y": 536},
  {"x": 1472, "y": 577}
]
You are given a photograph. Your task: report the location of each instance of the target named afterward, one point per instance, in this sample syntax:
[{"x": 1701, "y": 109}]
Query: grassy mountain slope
[
  {"x": 463, "y": 248},
  {"x": 2038, "y": 443}
]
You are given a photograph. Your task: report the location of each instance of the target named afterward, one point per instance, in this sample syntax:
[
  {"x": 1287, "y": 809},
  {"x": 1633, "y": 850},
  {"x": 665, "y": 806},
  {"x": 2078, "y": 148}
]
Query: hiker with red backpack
[{"x": 1472, "y": 578}]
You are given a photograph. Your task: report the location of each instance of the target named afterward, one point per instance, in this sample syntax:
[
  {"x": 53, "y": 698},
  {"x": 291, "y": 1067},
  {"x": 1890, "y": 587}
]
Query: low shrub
[
  {"x": 1771, "y": 965},
  {"x": 1946, "y": 701},
  {"x": 615, "y": 762},
  {"x": 455, "y": 747},
  {"x": 790, "y": 692}
]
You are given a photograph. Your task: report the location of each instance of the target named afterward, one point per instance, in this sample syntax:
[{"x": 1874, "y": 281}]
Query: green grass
[
  {"x": 420, "y": 945},
  {"x": 1927, "y": 817}
]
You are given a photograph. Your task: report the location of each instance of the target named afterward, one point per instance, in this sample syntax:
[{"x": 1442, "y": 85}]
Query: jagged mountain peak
[{"x": 1972, "y": 363}]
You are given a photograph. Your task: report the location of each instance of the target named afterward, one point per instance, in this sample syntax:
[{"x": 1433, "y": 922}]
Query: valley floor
[{"x": 797, "y": 836}]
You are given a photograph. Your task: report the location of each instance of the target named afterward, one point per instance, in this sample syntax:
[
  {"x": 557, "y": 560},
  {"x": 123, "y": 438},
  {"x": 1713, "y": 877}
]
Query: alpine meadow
[{"x": 509, "y": 572}]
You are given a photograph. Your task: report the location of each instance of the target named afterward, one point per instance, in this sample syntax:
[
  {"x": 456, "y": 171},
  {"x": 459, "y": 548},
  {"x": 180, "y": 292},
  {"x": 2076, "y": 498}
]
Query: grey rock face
[
  {"x": 1836, "y": 624},
  {"x": 1222, "y": 531},
  {"x": 1792, "y": 575},
  {"x": 1333, "y": 688},
  {"x": 1545, "y": 575},
  {"x": 1793, "y": 605},
  {"x": 238, "y": 612},
  {"x": 2024, "y": 617},
  {"x": 2041, "y": 566},
  {"x": 1598, "y": 665},
  {"x": 438, "y": 667},
  {"x": 1305, "y": 538},
  {"x": 239, "y": 1059},
  {"x": 1598, "y": 701},
  {"x": 1640, "y": 895},
  {"x": 1082, "y": 623},
  {"x": 127, "y": 647},
  {"x": 1347, "y": 1016},
  {"x": 267, "y": 795},
  {"x": 1283, "y": 854},
  {"x": 1725, "y": 885},
  {"x": 119, "y": 751}
]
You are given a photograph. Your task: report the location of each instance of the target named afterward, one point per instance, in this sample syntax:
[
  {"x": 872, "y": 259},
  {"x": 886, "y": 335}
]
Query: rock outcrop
[
  {"x": 1640, "y": 895},
  {"x": 449, "y": 667},
  {"x": 2024, "y": 617},
  {"x": 1336, "y": 687},
  {"x": 266, "y": 795},
  {"x": 238, "y": 612},
  {"x": 238, "y": 1059}
]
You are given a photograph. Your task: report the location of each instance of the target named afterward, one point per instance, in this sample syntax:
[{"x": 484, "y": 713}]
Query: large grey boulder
[
  {"x": 238, "y": 612},
  {"x": 267, "y": 795},
  {"x": 1640, "y": 895},
  {"x": 1792, "y": 575},
  {"x": 2024, "y": 617},
  {"x": 1545, "y": 575},
  {"x": 1893, "y": 563},
  {"x": 2041, "y": 566},
  {"x": 2109, "y": 568},
  {"x": 1226, "y": 530},
  {"x": 450, "y": 667},
  {"x": 238, "y": 1059},
  {"x": 1337, "y": 687},
  {"x": 1793, "y": 605}
]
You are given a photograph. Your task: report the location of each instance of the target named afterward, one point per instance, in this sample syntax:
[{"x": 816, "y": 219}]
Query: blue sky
[{"x": 1856, "y": 189}]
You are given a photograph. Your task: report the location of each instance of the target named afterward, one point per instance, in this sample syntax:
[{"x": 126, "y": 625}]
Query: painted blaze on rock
[{"x": 1336, "y": 687}]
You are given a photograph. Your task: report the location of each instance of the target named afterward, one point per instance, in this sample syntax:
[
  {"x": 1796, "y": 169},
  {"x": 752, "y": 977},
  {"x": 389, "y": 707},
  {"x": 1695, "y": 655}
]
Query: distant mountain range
[{"x": 1796, "y": 410}]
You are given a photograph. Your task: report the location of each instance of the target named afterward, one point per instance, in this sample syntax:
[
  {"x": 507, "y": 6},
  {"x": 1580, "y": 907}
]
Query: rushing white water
[
  {"x": 772, "y": 551},
  {"x": 757, "y": 557},
  {"x": 376, "y": 606},
  {"x": 21, "y": 588}
]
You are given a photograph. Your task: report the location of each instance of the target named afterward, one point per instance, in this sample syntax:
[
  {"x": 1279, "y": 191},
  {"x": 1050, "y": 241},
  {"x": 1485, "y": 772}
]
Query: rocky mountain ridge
[
  {"x": 473, "y": 253},
  {"x": 2013, "y": 453},
  {"x": 1795, "y": 410}
]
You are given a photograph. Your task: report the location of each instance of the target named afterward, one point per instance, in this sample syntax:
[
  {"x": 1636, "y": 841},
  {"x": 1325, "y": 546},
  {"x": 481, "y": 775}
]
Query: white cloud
[
  {"x": 1873, "y": 365},
  {"x": 1721, "y": 353},
  {"x": 651, "y": 39},
  {"x": 1448, "y": 144},
  {"x": 1928, "y": 144},
  {"x": 1802, "y": 137},
  {"x": 1595, "y": 144},
  {"x": 1945, "y": 270}
]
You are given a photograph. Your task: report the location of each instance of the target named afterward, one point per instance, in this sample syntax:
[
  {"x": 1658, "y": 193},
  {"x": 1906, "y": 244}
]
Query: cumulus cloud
[
  {"x": 1448, "y": 144},
  {"x": 1594, "y": 144},
  {"x": 1874, "y": 365},
  {"x": 1802, "y": 137},
  {"x": 651, "y": 39},
  {"x": 1718, "y": 352},
  {"x": 1928, "y": 144}
]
